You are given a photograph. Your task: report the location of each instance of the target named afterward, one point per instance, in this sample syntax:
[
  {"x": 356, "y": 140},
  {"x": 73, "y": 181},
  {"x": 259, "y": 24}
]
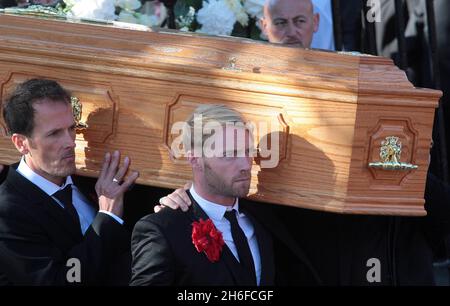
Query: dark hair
[{"x": 18, "y": 111}]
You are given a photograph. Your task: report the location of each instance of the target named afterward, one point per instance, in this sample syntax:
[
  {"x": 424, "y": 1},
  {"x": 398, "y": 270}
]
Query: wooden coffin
[{"x": 334, "y": 112}]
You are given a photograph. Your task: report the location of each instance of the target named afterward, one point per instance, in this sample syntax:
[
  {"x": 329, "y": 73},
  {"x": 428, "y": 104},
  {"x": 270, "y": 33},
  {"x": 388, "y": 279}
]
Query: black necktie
[
  {"x": 65, "y": 197},
  {"x": 241, "y": 242}
]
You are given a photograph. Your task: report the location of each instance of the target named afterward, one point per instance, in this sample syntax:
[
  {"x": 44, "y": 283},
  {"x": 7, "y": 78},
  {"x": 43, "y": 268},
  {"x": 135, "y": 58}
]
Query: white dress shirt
[
  {"x": 86, "y": 212},
  {"x": 324, "y": 37},
  {"x": 216, "y": 213}
]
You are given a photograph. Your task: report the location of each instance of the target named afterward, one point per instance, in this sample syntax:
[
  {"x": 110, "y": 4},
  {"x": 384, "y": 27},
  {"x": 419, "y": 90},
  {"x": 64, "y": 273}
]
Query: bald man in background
[{"x": 290, "y": 22}]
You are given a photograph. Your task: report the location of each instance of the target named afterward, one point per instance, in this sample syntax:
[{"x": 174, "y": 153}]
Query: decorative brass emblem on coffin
[
  {"x": 390, "y": 151},
  {"x": 77, "y": 112}
]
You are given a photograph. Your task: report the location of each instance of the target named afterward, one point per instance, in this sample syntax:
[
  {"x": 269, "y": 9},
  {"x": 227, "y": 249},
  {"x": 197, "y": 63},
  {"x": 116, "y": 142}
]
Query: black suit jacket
[
  {"x": 340, "y": 246},
  {"x": 163, "y": 252},
  {"x": 37, "y": 238}
]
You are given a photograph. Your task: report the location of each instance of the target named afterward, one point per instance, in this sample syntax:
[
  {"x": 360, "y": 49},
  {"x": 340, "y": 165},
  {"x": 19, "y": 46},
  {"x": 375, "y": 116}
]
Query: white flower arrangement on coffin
[
  {"x": 220, "y": 17},
  {"x": 92, "y": 9},
  {"x": 129, "y": 11},
  {"x": 255, "y": 8},
  {"x": 214, "y": 17}
]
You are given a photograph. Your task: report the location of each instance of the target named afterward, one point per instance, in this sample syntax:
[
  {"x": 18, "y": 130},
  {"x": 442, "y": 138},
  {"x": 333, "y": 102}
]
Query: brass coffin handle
[
  {"x": 77, "y": 109},
  {"x": 390, "y": 151},
  {"x": 393, "y": 166}
]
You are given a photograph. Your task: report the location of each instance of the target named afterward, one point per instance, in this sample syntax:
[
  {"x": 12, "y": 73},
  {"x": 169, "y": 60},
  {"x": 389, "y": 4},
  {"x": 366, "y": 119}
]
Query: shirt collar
[
  {"x": 213, "y": 210},
  {"x": 44, "y": 184}
]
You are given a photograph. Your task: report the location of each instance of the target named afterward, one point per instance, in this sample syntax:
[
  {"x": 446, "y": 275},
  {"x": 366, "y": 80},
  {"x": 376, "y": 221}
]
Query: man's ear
[
  {"x": 21, "y": 142},
  {"x": 316, "y": 22}
]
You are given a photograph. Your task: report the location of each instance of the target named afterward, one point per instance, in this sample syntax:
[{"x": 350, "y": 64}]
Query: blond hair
[{"x": 217, "y": 115}]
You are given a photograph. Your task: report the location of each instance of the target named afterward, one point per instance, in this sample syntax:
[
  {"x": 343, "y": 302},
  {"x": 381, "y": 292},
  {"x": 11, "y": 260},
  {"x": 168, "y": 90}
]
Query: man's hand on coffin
[
  {"x": 178, "y": 199},
  {"x": 112, "y": 184}
]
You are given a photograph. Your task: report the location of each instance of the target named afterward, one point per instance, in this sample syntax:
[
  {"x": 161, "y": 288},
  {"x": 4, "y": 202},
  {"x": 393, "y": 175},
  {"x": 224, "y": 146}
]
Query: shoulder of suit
[
  {"x": 167, "y": 217},
  {"x": 10, "y": 191},
  {"x": 9, "y": 194},
  {"x": 12, "y": 204}
]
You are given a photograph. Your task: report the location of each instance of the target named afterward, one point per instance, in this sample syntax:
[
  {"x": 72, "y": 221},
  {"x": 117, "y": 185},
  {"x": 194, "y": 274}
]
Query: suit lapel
[
  {"x": 230, "y": 262},
  {"x": 39, "y": 199},
  {"x": 265, "y": 246}
]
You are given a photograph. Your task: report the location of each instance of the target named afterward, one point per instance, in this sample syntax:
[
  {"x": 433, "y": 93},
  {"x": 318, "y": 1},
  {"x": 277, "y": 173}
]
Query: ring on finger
[{"x": 115, "y": 180}]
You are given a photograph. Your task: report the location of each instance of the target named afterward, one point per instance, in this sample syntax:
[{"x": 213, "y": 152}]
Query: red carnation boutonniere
[{"x": 206, "y": 238}]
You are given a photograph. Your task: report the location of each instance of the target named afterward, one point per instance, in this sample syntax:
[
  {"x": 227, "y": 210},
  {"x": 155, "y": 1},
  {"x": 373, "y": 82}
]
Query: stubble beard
[{"x": 217, "y": 185}]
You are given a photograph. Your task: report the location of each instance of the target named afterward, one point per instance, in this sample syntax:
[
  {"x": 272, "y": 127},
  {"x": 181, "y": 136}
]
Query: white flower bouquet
[
  {"x": 219, "y": 17},
  {"x": 152, "y": 14},
  {"x": 214, "y": 17}
]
